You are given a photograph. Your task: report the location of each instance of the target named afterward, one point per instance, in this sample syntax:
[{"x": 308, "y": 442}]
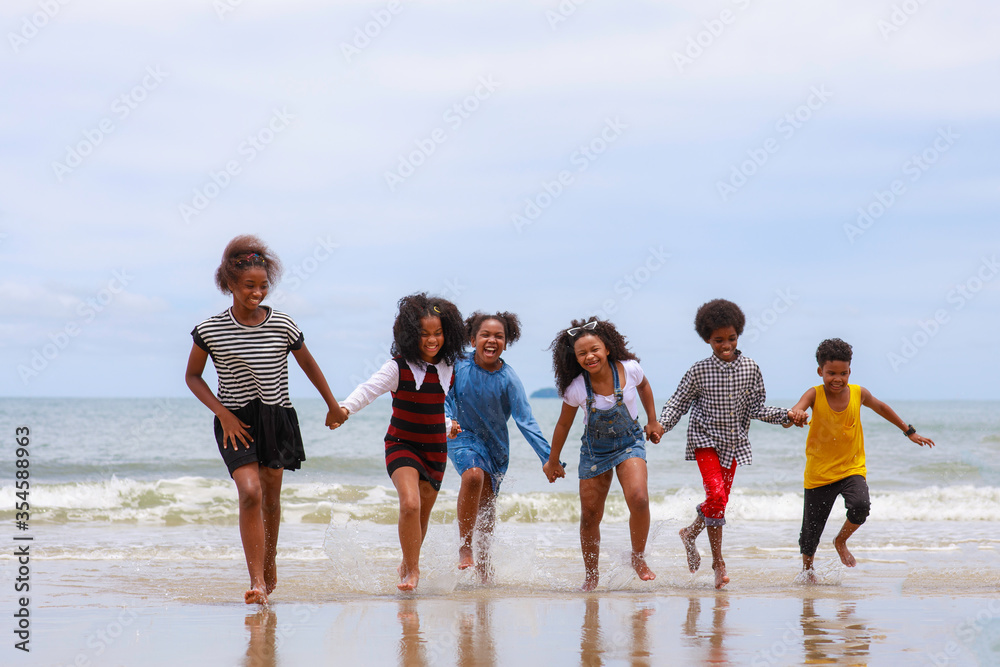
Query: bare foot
[
  {"x": 255, "y": 595},
  {"x": 640, "y": 567},
  {"x": 721, "y": 579},
  {"x": 465, "y": 557},
  {"x": 270, "y": 579},
  {"x": 809, "y": 576},
  {"x": 408, "y": 578},
  {"x": 846, "y": 557},
  {"x": 693, "y": 557},
  {"x": 590, "y": 582}
]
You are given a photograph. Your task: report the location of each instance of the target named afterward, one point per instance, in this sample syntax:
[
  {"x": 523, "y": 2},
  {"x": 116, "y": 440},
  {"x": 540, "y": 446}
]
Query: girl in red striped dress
[{"x": 428, "y": 337}]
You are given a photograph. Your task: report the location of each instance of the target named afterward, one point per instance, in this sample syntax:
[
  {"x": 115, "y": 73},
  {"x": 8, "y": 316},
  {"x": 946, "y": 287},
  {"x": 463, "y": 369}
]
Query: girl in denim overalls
[{"x": 595, "y": 369}]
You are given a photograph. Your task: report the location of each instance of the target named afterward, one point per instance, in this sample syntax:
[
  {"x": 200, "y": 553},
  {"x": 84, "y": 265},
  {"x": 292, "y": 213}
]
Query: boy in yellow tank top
[{"x": 835, "y": 451}]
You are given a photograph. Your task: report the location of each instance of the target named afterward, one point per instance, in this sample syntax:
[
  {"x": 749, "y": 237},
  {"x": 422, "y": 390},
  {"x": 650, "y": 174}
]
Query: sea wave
[{"x": 200, "y": 500}]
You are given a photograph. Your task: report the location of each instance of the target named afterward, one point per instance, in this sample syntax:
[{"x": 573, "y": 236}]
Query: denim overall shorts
[{"x": 611, "y": 436}]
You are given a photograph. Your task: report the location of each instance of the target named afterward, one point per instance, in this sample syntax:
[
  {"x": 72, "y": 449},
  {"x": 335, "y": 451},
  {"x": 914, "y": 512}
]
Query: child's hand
[
  {"x": 234, "y": 430},
  {"x": 921, "y": 440},
  {"x": 456, "y": 428},
  {"x": 553, "y": 470},
  {"x": 799, "y": 417},
  {"x": 335, "y": 418},
  {"x": 654, "y": 431}
]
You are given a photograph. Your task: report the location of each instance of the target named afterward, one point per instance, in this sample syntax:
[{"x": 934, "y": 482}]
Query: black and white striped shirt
[
  {"x": 723, "y": 398},
  {"x": 251, "y": 362}
]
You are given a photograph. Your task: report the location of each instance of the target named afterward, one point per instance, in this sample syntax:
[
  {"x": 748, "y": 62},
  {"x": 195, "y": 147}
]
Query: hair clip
[{"x": 436, "y": 309}]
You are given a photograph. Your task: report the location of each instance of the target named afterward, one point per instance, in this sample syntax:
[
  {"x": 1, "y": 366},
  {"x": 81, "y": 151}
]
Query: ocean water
[{"x": 140, "y": 482}]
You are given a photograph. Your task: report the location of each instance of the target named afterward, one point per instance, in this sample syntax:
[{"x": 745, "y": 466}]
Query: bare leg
[
  {"x": 688, "y": 536},
  {"x": 593, "y": 494},
  {"x": 807, "y": 569},
  {"x": 840, "y": 543},
  {"x": 486, "y": 523},
  {"x": 469, "y": 496},
  {"x": 718, "y": 564},
  {"x": 428, "y": 496},
  {"x": 252, "y": 530},
  {"x": 407, "y": 483},
  {"x": 632, "y": 475},
  {"x": 270, "y": 485}
]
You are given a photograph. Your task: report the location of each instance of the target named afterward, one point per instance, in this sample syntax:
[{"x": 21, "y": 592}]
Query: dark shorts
[
  {"x": 277, "y": 442},
  {"x": 818, "y": 502}
]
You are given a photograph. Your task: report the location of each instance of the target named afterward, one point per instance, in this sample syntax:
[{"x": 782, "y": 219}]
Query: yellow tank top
[{"x": 835, "y": 445}]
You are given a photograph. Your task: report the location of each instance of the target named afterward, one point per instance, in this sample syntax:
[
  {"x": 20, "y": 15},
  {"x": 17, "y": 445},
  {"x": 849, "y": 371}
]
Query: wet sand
[{"x": 163, "y": 612}]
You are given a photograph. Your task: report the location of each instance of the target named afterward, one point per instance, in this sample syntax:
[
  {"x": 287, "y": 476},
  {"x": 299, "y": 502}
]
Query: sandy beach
[{"x": 938, "y": 607}]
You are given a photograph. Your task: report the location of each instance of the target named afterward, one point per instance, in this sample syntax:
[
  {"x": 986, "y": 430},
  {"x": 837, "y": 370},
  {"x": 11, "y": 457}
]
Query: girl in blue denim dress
[{"x": 595, "y": 369}]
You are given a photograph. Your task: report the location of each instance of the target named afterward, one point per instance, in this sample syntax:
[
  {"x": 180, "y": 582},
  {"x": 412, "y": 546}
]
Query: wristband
[{"x": 910, "y": 431}]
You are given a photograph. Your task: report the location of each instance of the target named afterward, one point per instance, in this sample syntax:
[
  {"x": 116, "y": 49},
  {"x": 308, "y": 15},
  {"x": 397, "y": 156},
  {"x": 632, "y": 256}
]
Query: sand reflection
[
  {"x": 262, "y": 648},
  {"x": 844, "y": 639},
  {"x": 710, "y": 640},
  {"x": 412, "y": 646},
  {"x": 598, "y": 647}
]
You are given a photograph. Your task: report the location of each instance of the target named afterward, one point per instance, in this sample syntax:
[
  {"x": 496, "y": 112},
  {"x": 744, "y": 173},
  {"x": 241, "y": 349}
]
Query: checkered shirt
[{"x": 723, "y": 398}]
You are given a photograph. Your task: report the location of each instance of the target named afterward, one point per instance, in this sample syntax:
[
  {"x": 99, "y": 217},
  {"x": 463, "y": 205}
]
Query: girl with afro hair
[
  {"x": 595, "y": 369},
  {"x": 487, "y": 393},
  {"x": 428, "y": 338}
]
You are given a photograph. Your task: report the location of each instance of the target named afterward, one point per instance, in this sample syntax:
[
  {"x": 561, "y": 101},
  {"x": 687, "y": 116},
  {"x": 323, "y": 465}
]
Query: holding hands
[
  {"x": 653, "y": 431},
  {"x": 336, "y": 416},
  {"x": 553, "y": 470},
  {"x": 798, "y": 417}
]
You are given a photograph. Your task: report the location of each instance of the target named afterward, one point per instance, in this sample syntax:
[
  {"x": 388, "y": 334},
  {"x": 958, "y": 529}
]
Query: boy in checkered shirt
[{"x": 724, "y": 392}]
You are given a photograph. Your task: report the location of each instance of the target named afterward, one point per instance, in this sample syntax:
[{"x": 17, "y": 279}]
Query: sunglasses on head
[{"x": 589, "y": 326}]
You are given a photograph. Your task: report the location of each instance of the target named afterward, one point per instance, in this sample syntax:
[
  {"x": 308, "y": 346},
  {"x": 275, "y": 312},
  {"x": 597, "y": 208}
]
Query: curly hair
[
  {"x": 833, "y": 349},
  {"x": 244, "y": 252},
  {"x": 718, "y": 314},
  {"x": 406, "y": 328},
  {"x": 564, "y": 363},
  {"x": 511, "y": 325}
]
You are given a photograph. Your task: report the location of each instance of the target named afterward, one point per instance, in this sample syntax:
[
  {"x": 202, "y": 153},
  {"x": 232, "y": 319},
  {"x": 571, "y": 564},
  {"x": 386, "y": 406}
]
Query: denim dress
[{"x": 611, "y": 436}]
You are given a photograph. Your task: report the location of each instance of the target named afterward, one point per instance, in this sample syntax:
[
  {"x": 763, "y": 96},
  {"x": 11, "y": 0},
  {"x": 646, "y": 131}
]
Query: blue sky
[{"x": 831, "y": 168}]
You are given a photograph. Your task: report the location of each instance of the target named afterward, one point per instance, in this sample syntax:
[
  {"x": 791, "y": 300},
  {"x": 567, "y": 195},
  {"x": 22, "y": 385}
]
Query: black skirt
[{"x": 277, "y": 442}]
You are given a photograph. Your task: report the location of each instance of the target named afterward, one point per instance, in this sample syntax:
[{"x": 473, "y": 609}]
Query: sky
[{"x": 830, "y": 167}]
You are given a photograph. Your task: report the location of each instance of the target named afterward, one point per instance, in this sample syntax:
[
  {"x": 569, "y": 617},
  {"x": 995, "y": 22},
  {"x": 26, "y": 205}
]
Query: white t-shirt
[{"x": 576, "y": 392}]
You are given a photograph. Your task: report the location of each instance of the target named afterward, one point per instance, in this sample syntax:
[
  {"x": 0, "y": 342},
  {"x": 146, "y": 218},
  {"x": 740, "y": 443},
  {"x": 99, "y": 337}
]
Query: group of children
[{"x": 448, "y": 403}]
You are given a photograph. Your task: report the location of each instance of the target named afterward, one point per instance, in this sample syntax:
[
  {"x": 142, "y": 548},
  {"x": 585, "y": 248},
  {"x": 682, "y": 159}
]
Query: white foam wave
[{"x": 205, "y": 500}]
